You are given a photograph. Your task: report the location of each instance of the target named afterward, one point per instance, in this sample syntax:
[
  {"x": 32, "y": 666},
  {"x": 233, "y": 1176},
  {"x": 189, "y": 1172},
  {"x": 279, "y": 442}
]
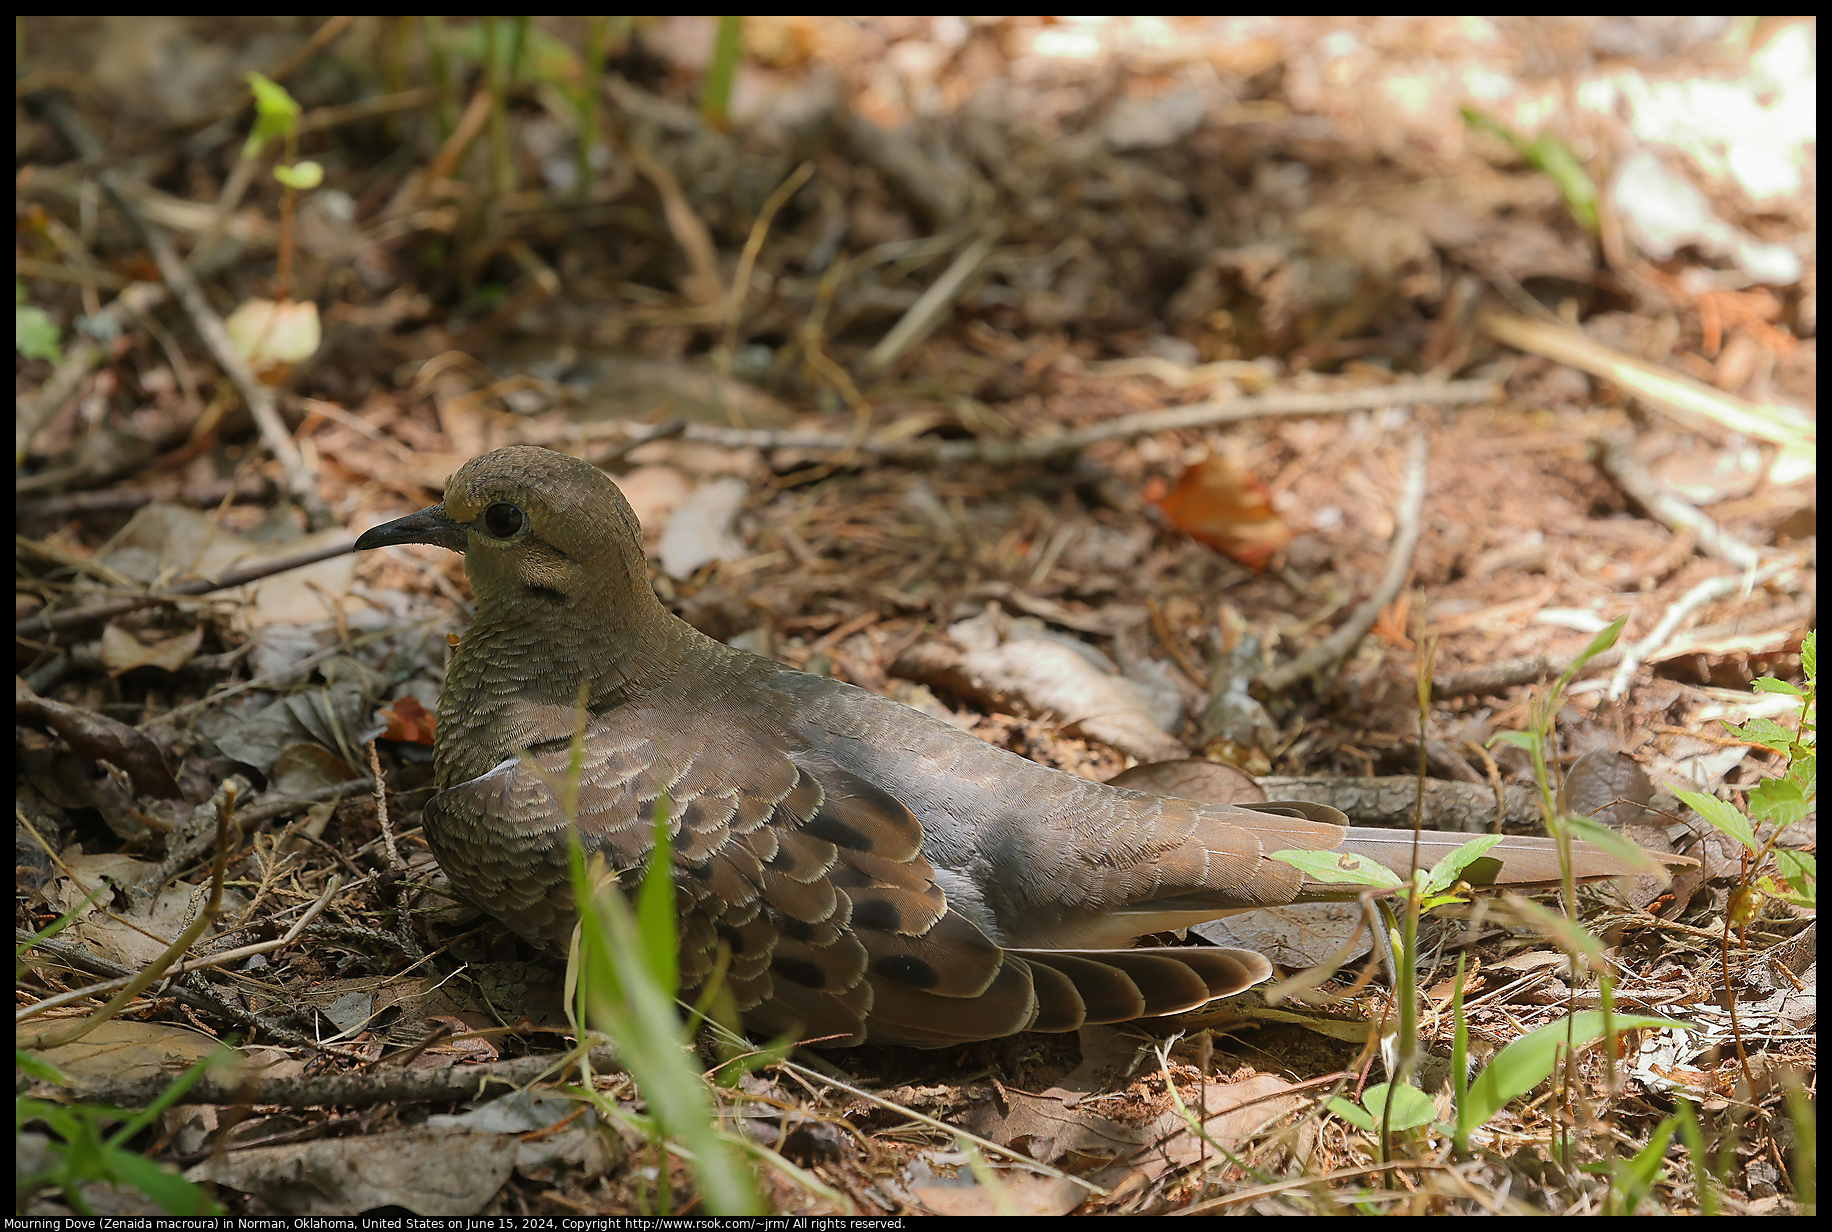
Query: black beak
[{"x": 430, "y": 525}]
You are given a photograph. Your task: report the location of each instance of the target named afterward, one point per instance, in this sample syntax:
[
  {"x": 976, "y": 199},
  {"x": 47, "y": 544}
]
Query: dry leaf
[
  {"x": 272, "y": 337},
  {"x": 408, "y": 720},
  {"x": 122, "y": 651},
  {"x": 1222, "y": 506}
]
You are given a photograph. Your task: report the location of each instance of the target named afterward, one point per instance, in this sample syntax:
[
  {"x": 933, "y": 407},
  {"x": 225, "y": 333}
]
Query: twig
[
  {"x": 266, "y": 809},
  {"x": 79, "y": 959},
  {"x": 70, "y": 1032},
  {"x": 1336, "y": 647},
  {"x": 1708, "y": 591},
  {"x": 702, "y": 283},
  {"x": 476, "y": 114},
  {"x": 667, "y": 431},
  {"x": 1017, "y": 1157},
  {"x": 1168, "y": 639},
  {"x": 1683, "y": 398},
  {"x": 183, "y": 283},
  {"x": 294, "y": 671},
  {"x": 1195, "y": 415},
  {"x": 1504, "y": 674},
  {"x": 357, "y": 1090},
  {"x": 381, "y": 808},
  {"x": 50, "y": 621},
  {"x": 1205, "y": 414},
  {"x": 213, "y": 960},
  {"x": 939, "y": 193},
  {"x": 926, "y": 313},
  {"x": 1612, "y": 457},
  {"x": 747, "y": 260}
]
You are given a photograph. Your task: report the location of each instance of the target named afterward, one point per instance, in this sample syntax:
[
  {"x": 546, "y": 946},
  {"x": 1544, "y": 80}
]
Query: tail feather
[
  {"x": 1517, "y": 862},
  {"x": 1119, "y": 985}
]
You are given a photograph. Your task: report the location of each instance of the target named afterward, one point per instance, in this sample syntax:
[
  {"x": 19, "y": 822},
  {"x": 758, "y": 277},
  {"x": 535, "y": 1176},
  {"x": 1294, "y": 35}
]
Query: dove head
[
  {"x": 552, "y": 550},
  {"x": 545, "y": 529}
]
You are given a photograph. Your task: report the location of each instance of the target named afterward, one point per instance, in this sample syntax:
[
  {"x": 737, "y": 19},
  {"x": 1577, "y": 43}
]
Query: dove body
[{"x": 873, "y": 872}]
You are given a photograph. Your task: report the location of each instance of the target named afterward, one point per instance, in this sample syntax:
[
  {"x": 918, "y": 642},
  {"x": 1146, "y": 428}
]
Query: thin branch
[
  {"x": 351, "y": 1090},
  {"x": 78, "y": 959},
  {"x": 1690, "y": 402},
  {"x": 1612, "y": 457},
  {"x": 1708, "y": 591},
  {"x": 927, "y": 312},
  {"x": 1504, "y": 674},
  {"x": 70, "y": 1032},
  {"x": 300, "y": 482},
  {"x": 258, "y": 813},
  {"x": 213, "y": 960},
  {"x": 50, "y": 621},
  {"x": 929, "y": 451}
]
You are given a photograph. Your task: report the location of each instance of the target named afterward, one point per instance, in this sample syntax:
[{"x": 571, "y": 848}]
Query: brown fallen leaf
[
  {"x": 1065, "y": 1124},
  {"x": 1218, "y": 504},
  {"x": 122, "y": 651},
  {"x": 1027, "y": 1193},
  {"x": 408, "y": 720}
]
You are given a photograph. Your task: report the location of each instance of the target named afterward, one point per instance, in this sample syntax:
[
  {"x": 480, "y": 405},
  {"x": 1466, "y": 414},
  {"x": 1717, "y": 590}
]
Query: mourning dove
[{"x": 875, "y": 873}]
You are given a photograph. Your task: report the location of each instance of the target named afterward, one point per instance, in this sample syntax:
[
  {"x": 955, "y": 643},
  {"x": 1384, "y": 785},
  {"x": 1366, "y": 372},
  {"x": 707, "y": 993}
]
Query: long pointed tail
[{"x": 1515, "y": 863}]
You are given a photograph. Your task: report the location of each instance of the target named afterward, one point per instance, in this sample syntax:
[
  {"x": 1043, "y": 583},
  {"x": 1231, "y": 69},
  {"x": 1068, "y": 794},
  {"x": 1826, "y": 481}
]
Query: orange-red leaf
[
  {"x": 408, "y": 720},
  {"x": 1227, "y": 509}
]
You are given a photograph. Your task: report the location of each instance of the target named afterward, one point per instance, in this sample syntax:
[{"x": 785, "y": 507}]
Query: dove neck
[{"x": 620, "y": 643}]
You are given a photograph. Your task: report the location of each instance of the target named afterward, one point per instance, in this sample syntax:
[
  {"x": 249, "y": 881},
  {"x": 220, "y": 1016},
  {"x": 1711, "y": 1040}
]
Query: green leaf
[
  {"x": 1800, "y": 871},
  {"x": 1605, "y": 638},
  {"x": 304, "y": 175},
  {"x": 1767, "y": 733},
  {"x": 1726, "y": 818},
  {"x": 1562, "y": 167},
  {"x": 39, "y": 1068},
  {"x": 35, "y": 335},
  {"x": 1519, "y": 739},
  {"x": 82, "y": 1154},
  {"x": 1339, "y": 868},
  {"x": 174, "y": 1194},
  {"x": 276, "y": 113},
  {"x": 1353, "y": 1115},
  {"x": 716, "y": 87},
  {"x": 1781, "y": 801},
  {"x": 622, "y": 996},
  {"x": 1411, "y": 1106},
  {"x": 1601, "y": 836},
  {"x": 1528, "y": 1061},
  {"x": 1445, "y": 872},
  {"x": 1635, "y": 1176},
  {"x": 655, "y": 920},
  {"x": 63, "y": 921},
  {"x": 1552, "y": 157},
  {"x": 1768, "y": 684}
]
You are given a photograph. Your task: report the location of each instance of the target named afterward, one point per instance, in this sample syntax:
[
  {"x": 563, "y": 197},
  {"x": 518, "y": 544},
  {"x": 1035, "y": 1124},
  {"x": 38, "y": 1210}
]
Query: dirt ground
[{"x": 1326, "y": 386}]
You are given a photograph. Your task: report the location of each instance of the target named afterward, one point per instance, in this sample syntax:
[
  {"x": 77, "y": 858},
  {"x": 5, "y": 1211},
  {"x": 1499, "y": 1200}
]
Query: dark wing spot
[
  {"x": 826, "y": 825},
  {"x": 906, "y": 970},
  {"x": 878, "y": 913},
  {"x": 548, "y": 594},
  {"x": 799, "y": 970},
  {"x": 794, "y": 929}
]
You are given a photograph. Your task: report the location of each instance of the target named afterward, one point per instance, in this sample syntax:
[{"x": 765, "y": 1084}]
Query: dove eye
[{"x": 504, "y": 520}]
